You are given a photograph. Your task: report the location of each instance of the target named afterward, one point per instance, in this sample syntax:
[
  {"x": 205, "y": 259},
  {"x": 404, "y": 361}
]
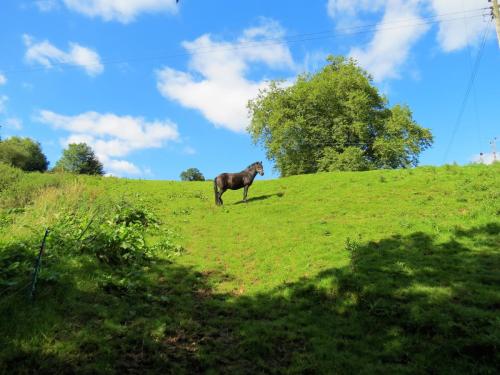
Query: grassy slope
[
  {"x": 295, "y": 227},
  {"x": 353, "y": 272}
]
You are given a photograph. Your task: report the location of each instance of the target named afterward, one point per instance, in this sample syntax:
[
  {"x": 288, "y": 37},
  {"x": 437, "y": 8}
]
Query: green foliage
[
  {"x": 115, "y": 234},
  {"x": 308, "y": 126},
  {"x": 17, "y": 189},
  {"x": 116, "y": 244},
  {"x": 23, "y": 153},
  {"x": 351, "y": 159},
  {"x": 16, "y": 262},
  {"x": 120, "y": 240},
  {"x": 9, "y": 176},
  {"x": 192, "y": 174},
  {"x": 128, "y": 214},
  {"x": 401, "y": 142},
  {"x": 167, "y": 246},
  {"x": 79, "y": 158}
]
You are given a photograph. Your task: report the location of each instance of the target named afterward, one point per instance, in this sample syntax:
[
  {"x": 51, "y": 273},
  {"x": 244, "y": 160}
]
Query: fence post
[{"x": 38, "y": 264}]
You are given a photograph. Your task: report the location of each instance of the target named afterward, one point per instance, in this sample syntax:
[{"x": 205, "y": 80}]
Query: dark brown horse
[{"x": 235, "y": 181}]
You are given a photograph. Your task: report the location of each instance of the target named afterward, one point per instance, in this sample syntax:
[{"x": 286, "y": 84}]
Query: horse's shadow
[{"x": 261, "y": 198}]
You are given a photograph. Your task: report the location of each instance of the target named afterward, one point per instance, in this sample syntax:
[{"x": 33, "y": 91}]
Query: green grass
[{"x": 368, "y": 272}]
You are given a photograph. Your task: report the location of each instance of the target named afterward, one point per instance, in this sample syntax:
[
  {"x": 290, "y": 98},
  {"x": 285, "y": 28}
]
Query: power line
[
  {"x": 347, "y": 31},
  {"x": 467, "y": 91},
  {"x": 474, "y": 96}
]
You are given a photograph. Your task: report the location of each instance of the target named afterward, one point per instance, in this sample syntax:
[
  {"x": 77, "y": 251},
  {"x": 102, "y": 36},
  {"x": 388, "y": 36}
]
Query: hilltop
[{"x": 348, "y": 272}]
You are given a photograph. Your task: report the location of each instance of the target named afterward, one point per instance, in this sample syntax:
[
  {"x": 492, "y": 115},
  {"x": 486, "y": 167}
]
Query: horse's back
[{"x": 231, "y": 181}]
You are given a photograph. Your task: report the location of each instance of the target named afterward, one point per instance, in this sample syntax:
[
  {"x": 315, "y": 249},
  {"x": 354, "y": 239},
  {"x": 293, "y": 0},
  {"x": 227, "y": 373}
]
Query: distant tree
[
  {"x": 23, "y": 153},
  {"x": 192, "y": 174},
  {"x": 79, "y": 158},
  {"x": 334, "y": 120}
]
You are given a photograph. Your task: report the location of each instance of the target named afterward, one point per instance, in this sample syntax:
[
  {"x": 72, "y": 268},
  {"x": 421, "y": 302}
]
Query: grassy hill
[{"x": 367, "y": 272}]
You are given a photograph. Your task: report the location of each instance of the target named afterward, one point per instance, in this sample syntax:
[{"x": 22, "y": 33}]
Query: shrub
[
  {"x": 23, "y": 153},
  {"x": 8, "y": 176},
  {"x": 116, "y": 236},
  {"x": 18, "y": 188}
]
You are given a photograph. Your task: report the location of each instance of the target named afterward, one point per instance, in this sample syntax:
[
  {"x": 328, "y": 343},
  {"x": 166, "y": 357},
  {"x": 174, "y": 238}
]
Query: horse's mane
[{"x": 251, "y": 165}]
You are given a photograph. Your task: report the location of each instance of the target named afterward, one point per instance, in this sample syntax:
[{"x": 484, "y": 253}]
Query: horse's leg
[
  {"x": 220, "y": 196},
  {"x": 216, "y": 192},
  {"x": 217, "y": 198},
  {"x": 245, "y": 192}
]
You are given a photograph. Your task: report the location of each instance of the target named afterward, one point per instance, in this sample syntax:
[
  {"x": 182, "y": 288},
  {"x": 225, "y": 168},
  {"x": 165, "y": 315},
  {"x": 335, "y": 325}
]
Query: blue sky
[{"x": 155, "y": 87}]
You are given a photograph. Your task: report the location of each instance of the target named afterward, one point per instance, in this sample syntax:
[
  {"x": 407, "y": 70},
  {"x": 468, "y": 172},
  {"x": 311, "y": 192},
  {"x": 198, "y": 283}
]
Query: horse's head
[{"x": 259, "y": 168}]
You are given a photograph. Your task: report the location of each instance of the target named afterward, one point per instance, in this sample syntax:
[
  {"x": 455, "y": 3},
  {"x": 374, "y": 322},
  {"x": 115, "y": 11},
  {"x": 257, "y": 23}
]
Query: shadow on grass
[
  {"x": 261, "y": 198},
  {"x": 405, "y": 304}
]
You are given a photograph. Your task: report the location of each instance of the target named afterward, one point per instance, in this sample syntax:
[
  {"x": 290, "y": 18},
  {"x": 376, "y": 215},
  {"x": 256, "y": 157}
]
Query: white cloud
[
  {"x": 112, "y": 136},
  {"x": 217, "y": 85},
  {"x": 120, "y": 10},
  {"x": 3, "y": 79},
  {"x": 13, "y": 123},
  {"x": 403, "y": 24},
  {"x": 123, "y": 167},
  {"x": 486, "y": 158},
  {"x": 389, "y": 48},
  {"x": 459, "y": 33},
  {"x": 3, "y": 103},
  {"x": 46, "y": 54}
]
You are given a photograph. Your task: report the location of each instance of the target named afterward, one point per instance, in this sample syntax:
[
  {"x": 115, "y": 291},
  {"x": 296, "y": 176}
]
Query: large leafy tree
[
  {"x": 192, "y": 174},
  {"x": 23, "y": 153},
  {"x": 80, "y": 158},
  {"x": 334, "y": 120}
]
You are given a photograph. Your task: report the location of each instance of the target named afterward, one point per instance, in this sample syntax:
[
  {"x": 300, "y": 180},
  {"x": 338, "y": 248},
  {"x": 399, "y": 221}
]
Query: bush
[
  {"x": 130, "y": 215},
  {"x": 9, "y": 176},
  {"x": 115, "y": 233},
  {"x": 18, "y": 188},
  {"x": 23, "y": 153}
]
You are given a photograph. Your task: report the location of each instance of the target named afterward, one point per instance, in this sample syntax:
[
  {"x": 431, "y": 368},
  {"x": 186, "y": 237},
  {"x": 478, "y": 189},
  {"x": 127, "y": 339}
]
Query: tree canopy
[
  {"x": 335, "y": 119},
  {"x": 80, "y": 158},
  {"x": 23, "y": 153},
  {"x": 192, "y": 174}
]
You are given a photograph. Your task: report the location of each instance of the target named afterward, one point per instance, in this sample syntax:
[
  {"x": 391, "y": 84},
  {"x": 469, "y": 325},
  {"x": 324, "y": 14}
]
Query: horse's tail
[{"x": 216, "y": 191}]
